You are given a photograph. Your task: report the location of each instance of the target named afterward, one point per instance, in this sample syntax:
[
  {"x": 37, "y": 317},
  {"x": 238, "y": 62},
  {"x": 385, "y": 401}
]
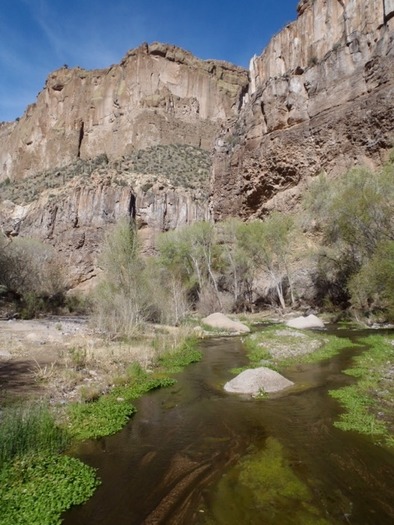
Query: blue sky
[{"x": 38, "y": 36}]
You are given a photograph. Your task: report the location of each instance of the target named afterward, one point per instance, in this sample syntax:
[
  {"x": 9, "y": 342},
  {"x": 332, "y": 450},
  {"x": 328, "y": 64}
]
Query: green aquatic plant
[
  {"x": 264, "y": 485},
  {"x": 37, "y": 489},
  {"x": 110, "y": 412},
  {"x": 279, "y": 347},
  {"x": 173, "y": 362},
  {"x": 368, "y": 403}
]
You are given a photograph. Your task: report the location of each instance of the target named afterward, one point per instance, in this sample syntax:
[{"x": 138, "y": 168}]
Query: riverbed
[{"x": 182, "y": 458}]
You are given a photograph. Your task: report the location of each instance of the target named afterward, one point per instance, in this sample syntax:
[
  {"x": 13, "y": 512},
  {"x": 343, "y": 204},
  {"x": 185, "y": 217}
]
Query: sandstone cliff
[
  {"x": 158, "y": 94},
  {"x": 320, "y": 99}
]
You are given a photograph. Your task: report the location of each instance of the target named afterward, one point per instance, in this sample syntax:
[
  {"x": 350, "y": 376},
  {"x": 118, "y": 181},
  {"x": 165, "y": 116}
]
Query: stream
[{"x": 179, "y": 459}]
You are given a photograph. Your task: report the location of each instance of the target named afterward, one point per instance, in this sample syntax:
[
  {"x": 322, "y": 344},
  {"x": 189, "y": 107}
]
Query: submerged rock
[
  {"x": 222, "y": 322},
  {"x": 305, "y": 322},
  {"x": 256, "y": 380}
]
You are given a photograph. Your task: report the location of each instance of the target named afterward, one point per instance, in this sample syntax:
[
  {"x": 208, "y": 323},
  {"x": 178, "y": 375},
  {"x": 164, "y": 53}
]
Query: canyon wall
[
  {"x": 158, "y": 94},
  {"x": 320, "y": 100},
  {"x": 75, "y": 217}
]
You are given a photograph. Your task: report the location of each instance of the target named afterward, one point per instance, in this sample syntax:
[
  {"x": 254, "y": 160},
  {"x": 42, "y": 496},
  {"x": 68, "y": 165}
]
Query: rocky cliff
[
  {"x": 132, "y": 139},
  {"x": 72, "y": 208},
  {"x": 158, "y": 94},
  {"x": 320, "y": 99}
]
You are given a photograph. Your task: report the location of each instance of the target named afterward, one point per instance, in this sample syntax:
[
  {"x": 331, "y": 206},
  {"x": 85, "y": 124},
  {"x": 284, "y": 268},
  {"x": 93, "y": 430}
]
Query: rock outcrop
[
  {"x": 75, "y": 212},
  {"x": 320, "y": 99},
  {"x": 158, "y": 94}
]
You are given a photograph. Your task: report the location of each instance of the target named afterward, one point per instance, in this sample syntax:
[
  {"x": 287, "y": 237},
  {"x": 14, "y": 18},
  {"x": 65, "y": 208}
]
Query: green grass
[
  {"x": 27, "y": 429},
  {"x": 369, "y": 403},
  {"x": 37, "y": 482},
  {"x": 174, "y": 362}
]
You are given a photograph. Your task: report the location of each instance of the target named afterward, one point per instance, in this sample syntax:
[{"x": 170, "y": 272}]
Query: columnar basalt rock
[
  {"x": 158, "y": 94},
  {"x": 320, "y": 99}
]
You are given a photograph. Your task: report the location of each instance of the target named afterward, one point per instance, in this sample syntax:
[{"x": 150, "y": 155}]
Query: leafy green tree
[
  {"x": 372, "y": 288},
  {"x": 354, "y": 216},
  {"x": 268, "y": 246},
  {"x": 194, "y": 254},
  {"x": 236, "y": 266}
]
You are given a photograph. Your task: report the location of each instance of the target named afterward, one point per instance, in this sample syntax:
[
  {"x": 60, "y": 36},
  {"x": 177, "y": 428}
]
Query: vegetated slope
[{"x": 177, "y": 165}]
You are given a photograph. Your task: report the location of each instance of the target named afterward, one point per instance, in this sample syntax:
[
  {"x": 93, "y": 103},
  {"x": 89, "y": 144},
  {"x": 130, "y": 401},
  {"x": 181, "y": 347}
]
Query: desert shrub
[
  {"x": 29, "y": 269},
  {"x": 121, "y": 302}
]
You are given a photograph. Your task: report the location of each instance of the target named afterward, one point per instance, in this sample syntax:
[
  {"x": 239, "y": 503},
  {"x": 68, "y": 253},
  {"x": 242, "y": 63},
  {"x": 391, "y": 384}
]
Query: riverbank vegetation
[
  {"x": 37, "y": 481},
  {"x": 279, "y": 347},
  {"x": 369, "y": 402},
  {"x": 336, "y": 253}
]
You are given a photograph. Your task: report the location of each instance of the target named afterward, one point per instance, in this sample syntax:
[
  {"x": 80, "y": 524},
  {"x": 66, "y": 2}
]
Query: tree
[
  {"x": 30, "y": 271},
  {"x": 268, "y": 245},
  {"x": 372, "y": 288},
  {"x": 120, "y": 301},
  {"x": 193, "y": 253},
  {"x": 354, "y": 216}
]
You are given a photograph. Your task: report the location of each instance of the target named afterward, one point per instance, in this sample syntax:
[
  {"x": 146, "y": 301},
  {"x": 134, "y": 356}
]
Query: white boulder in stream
[
  {"x": 256, "y": 380},
  {"x": 305, "y": 322},
  {"x": 222, "y": 322}
]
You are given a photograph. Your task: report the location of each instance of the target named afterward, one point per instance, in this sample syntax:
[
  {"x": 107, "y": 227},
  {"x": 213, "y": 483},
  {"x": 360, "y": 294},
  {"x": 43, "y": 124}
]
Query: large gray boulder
[
  {"x": 222, "y": 322},
  {"x": 305, "y": 322},
  {"x": 257, "y": 380}
]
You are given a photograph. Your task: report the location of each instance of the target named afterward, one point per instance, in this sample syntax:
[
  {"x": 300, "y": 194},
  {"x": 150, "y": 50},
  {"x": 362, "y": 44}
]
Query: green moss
[
  {"x": 369, "y": 403},
  {"x": 37, "y": 489},
  {"x": 265, "y": 487}
]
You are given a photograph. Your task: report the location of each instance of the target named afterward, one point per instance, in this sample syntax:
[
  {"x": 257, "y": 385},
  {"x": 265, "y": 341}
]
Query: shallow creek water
[{"x": 178, "y": 461}]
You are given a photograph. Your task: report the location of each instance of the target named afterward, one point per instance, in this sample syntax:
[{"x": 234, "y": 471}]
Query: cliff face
[
  {"x": 320, "y": 99},
  {"x": 75, "y": 215},
  {"x": 158, "y": 94}
]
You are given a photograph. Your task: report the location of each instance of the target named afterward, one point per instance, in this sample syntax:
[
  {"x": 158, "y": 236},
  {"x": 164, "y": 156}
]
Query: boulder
[
  {"x": 222, "y": 322},
  {"x": 305, "y": 322},
  {"x": 256, "y": 380}
]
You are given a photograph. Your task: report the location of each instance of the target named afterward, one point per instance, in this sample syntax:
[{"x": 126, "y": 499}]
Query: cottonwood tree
[
  {"x": 355, "y": 217},
  {"x": 193, "y": 253},
  {"x": 268, "y": 246}
]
